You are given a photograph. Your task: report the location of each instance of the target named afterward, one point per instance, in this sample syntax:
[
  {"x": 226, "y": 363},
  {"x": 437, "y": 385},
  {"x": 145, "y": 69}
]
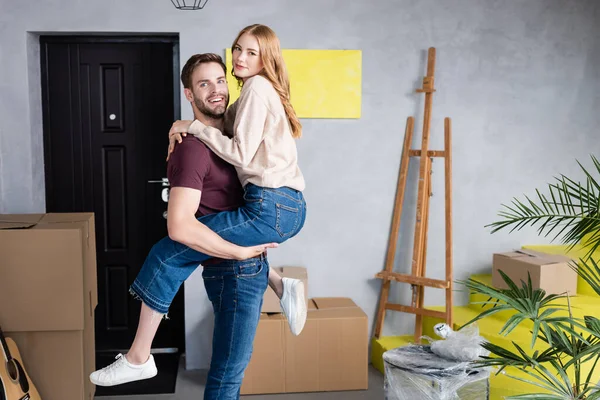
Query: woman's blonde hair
[{"x": 274, "y": 69}]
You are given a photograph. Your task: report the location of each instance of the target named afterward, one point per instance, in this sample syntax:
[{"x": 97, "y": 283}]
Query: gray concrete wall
[{"x": 518, "y": 78}]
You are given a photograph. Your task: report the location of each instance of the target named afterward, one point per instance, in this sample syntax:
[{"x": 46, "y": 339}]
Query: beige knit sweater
[{"x": 259, "y": 142}]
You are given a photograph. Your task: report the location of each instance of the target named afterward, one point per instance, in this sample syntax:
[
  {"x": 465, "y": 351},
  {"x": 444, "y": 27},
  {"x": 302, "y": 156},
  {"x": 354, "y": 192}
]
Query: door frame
[{"x": 103, "y": 38}]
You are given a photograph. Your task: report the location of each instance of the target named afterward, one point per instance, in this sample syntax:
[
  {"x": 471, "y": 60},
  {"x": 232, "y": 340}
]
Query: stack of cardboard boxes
[
  {"x": 331, "y": 353},
  {"x": 48, "y": 294}
]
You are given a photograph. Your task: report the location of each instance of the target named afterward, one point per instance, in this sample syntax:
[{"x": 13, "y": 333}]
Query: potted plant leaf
[{"x": 568, "y": 365}]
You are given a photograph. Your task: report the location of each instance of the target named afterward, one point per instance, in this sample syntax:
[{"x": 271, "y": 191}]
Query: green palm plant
[{"x": 566, "y": 367}]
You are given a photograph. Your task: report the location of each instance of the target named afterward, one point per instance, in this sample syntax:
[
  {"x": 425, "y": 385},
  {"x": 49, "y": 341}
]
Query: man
[{"x": 202, "y": 183}]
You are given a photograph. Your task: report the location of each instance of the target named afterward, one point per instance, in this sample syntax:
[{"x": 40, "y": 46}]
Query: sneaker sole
[
  {"x": 122, "y": 382},
  {"x": 300, "y": 317}
]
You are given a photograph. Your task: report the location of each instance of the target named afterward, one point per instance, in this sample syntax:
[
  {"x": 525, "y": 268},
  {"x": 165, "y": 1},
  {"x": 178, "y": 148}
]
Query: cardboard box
[
  {"x": 270, "y": 299},
  {"x": 550, "y": 272},
  {"x": 331, "y": 353},
  {"x": 48, "y": 293}
]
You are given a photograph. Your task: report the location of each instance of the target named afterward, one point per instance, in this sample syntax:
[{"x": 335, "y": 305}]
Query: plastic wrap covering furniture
[
  {"x": 414, "y": 372},
  {"x": 464, "y": 345}
]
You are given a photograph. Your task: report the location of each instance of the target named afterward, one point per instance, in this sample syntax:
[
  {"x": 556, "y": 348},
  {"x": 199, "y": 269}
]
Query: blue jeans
[
  {"x": 268, "y": 215},
  {"x": 235, "y": 289}
]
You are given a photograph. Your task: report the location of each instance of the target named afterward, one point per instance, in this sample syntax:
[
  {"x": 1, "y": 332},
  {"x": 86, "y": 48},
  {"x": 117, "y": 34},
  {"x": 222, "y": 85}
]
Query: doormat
[{"x": 164, "y": 382}]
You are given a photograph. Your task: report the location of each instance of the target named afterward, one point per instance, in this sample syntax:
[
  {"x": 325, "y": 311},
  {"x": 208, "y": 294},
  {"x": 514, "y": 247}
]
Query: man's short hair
[{"x": 195, "y": 61}]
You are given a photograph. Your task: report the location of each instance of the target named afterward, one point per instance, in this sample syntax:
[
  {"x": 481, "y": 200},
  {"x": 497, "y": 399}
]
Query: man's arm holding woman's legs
[{"x": 184, "y": 228}]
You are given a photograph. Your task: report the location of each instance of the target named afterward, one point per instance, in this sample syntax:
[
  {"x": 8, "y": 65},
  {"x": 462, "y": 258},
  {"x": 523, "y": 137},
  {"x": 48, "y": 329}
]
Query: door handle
[{"x": 163, "y": 181}]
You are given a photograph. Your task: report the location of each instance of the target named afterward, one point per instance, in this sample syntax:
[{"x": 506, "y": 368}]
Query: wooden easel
[{"x": 417, "y": 278}]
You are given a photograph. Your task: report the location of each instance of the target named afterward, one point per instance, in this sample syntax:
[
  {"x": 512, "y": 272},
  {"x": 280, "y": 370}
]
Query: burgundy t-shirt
[{"x": 193, "y": 165}]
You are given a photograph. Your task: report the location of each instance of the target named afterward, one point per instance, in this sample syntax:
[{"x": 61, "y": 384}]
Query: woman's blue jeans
[{"x": 268, "y": 215}]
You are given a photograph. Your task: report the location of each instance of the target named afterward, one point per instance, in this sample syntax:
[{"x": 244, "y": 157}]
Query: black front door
[{"x": 108, "y": 106}]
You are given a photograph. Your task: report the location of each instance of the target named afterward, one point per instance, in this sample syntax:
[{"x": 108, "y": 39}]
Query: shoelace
[{"x": 115, "y": 364}]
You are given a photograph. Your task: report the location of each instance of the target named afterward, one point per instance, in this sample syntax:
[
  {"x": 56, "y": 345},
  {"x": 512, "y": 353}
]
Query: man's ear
[{"x": 188, "y": 94}]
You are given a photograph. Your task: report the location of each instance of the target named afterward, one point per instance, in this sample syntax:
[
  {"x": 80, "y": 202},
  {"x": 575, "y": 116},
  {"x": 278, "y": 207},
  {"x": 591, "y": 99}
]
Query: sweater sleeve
[{"x": 248, "y": 131}]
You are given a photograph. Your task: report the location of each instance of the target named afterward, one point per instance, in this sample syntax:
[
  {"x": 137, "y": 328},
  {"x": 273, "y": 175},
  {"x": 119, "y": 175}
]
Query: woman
[{"x": 261, "y": 128}]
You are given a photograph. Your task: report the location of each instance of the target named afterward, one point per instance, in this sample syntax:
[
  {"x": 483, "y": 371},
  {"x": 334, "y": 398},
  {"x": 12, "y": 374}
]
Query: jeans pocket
[
  {"x": 287, "y": 220},
  {"x": 250, "y": 269}
]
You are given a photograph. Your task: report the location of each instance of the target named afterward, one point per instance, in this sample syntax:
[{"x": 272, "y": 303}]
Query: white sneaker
[
  {"x": 293, "y": 304},
  {"x": 122, "y": 371}
]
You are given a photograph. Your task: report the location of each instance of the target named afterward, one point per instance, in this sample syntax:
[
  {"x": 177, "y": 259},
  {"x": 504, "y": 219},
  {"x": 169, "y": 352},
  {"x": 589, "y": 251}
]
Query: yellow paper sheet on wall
[{"x": 323, "y": 83}]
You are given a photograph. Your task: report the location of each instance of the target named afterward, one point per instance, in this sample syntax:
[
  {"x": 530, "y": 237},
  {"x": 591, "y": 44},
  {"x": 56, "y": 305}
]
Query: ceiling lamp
[{"x": 189, "y": 4}]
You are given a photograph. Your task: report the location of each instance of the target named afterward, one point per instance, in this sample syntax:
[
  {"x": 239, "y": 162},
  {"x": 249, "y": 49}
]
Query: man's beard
[{"x": 217, "y": 113}]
